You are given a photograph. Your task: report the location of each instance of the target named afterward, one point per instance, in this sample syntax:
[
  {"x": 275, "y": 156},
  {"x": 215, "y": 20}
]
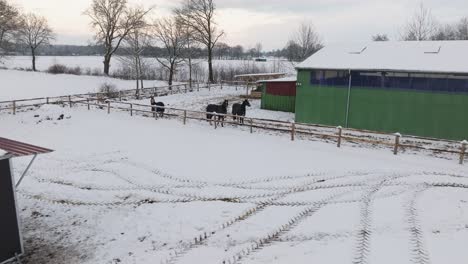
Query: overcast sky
[{"x": 270, "y": 22}]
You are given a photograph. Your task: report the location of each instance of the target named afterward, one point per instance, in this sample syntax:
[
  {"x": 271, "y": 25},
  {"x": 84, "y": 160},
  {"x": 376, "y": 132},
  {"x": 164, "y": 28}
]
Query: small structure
[
  {"x": 279, "y": 94},
  {"x": 255, "y": 77},
  {"x": 11, "y": 243},
  {"x": 417, "y": 88},
  {"x": 251, "y": 80}
]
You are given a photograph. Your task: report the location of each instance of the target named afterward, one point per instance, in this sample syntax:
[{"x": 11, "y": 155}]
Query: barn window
[{"x": 329, "y": 78}]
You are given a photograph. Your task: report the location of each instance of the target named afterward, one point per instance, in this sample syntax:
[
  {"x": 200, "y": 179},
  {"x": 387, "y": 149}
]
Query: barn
[
  {"x": 415, "y": 88},
  {"x": 279, "y": 94}
]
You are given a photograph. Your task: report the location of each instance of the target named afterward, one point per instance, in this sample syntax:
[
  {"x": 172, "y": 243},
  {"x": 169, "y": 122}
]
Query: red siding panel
[{"x": 281, "y": 88}]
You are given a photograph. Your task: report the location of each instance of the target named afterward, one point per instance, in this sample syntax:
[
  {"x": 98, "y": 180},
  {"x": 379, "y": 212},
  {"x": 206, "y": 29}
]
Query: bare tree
[
  {"x": 189, "y": 50},
  {"x": 221, "y": 50},
  {"x": 421, "y": 26},
  {"x": 456, "y": 31},
  {"x": 445, "y": 32},
  {"x": 293, "y": 51},
  {"x": 237, "y": 51},
  {"x": 200, "y": 16},
  {"x": 9, "y": 23},
  {"x": 462, "y": 29},
  {"x": 259, "y": 49},
  {"x": 113, "y": 20},
  {"x": 380, "y": 37},
  {"x": 308, "y": 41},
  {"x": 136, "y": 43},
  {"x": 170, "y": 33},
  {"x": 33, "y": 33}
]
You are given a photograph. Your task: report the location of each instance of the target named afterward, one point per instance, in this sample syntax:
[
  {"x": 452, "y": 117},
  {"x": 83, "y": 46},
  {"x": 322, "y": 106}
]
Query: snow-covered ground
[
  {"x": 121, "y": 189},
  {"x": 24, "y": 85},
  {"x": 95, "y": 63}
]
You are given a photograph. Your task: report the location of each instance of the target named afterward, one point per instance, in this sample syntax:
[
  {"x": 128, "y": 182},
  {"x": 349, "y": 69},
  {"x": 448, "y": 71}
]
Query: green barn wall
[
  {"x": 428, "y": 114},
  {"x": 277, "y": 103}
]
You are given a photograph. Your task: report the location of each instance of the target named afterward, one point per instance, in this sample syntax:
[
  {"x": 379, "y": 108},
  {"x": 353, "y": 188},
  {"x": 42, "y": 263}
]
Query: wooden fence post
[
  {"x": 397, "y": 143},
  {"x": 120, "y": 96},
  {"x": 47, "y": 100},
  {"x": 251, "y": 126},
  {"x": 221, "y": 85},
  {"x": 185, "y": 86},
  {"x": 131, "y": 109},
  {"x": 87, "y": 100},
  {"x": 464, "y": 143},
  {"x": 14, "y": 107},
  {"x": 340, "y": 133},
  {"x": 293, "y": 131},
  {"x": 108, "y": 107},
  {"x": 69, "y": 101},
  {"x": 185, "y": 117},
  {"x": 215, "y": 123},
  {"x": 209, "y": 87}
]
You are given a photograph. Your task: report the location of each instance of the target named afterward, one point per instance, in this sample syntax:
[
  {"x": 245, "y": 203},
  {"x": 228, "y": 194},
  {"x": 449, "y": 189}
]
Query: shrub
[
  {"x": 108, "y": 90},
  {"x": 74, "y": 71},
  {"x": 57, "y": 69},
  {"x": 62, "y": 69}
]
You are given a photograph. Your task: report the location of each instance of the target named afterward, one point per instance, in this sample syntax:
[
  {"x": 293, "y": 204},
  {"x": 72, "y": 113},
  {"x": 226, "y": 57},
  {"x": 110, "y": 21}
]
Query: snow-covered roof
[
  {"x": 259, "y": 75},
  {"x": 408, "y": 56},
  {"x": 286, "y": 79}
]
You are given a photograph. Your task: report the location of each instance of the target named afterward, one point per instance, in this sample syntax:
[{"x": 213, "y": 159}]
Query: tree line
[
  {"x": 424, "y": 26},
  {"x": 190, "y": 32}
]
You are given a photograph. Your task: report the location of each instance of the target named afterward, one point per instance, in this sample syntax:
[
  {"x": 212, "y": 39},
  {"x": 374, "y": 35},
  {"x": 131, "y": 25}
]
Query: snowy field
[
  {"x": 95, "y": 63},
  {"x": 24, "y": 85},
  {"x": 121, "y": 189}
]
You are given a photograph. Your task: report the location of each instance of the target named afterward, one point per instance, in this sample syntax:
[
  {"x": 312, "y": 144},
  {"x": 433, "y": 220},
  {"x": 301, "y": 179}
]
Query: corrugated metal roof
[
  {"x": 18, "y": 149},
  {"x": 408, "y": 56}
]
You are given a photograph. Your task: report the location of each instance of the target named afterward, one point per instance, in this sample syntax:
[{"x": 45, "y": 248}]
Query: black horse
[
  {"x": 239, "y": 110},
  {"x": 213, "y": 109},
  {"x": 157, "y": 107},
  {"x": 160, "y": 109}
]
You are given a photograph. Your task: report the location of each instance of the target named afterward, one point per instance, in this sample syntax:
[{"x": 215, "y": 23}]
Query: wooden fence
[{"x": 396, "y": 142}]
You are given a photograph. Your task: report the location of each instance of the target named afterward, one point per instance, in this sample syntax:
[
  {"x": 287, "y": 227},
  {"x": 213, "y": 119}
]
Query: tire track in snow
[
  {"x": 268, "y": 240},
  {"x": 419, "y": 252},
  {"x": 364, "y": 234},
  {"x": 203, "y": 238}
]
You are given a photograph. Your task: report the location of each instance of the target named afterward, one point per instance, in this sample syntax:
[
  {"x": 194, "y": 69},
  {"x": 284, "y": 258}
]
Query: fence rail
[{"x": 336, "y": 134}]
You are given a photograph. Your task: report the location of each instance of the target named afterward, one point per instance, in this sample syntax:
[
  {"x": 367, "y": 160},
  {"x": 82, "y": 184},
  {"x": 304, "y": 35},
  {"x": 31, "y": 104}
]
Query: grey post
[
  {"x": 464, "y": 143},
  {"x": 397, "y": 143},
  {"x": 293, "y": 131},
  {"x": 340, "y": 133}
]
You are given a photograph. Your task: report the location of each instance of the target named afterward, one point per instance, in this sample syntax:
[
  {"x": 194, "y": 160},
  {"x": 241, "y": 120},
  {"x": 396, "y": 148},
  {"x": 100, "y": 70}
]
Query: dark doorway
[{"x": 10, "y": 239}]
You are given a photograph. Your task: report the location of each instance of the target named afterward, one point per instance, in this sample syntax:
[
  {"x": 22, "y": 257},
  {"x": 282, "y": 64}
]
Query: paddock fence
[{"x": 336, "y": 135}]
